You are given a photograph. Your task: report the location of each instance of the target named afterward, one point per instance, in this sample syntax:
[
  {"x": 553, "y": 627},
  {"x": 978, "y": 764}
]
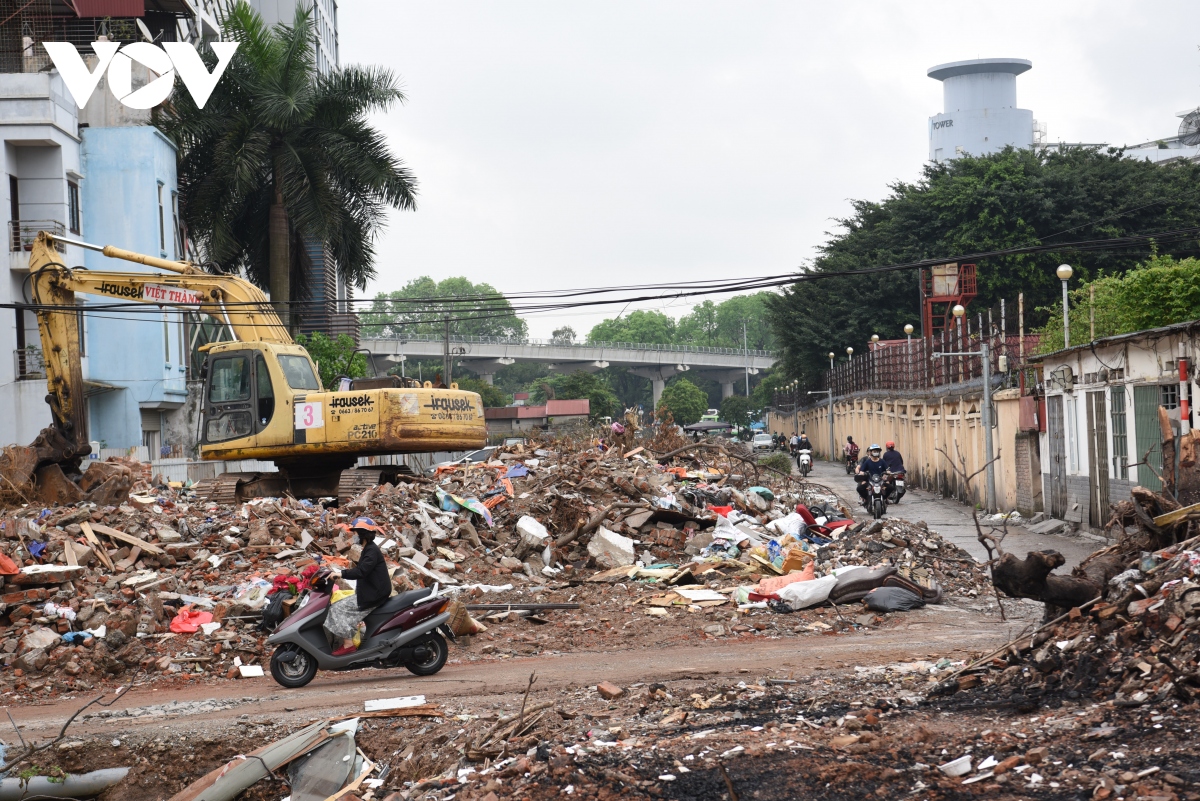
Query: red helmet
[{"x": 889, "y": 444}]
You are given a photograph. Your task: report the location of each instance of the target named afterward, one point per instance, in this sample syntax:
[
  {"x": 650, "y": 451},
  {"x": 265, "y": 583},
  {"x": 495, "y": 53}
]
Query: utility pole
[
  {"x": 446, "y": 361},
  {"x": 746, "y": 348},
  {"x": 832, "y": 439},
  {"x": 986, "y": 415}
]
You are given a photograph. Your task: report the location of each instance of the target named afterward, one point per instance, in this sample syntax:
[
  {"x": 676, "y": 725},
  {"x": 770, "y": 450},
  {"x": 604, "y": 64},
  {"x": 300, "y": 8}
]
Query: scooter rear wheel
[
  {"x": 436, "y": 652},
  {"x": 295, "y": 673}
]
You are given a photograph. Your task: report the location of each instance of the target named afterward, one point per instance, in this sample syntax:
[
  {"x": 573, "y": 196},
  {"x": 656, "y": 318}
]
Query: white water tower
[{"x": 979, "y": 114}]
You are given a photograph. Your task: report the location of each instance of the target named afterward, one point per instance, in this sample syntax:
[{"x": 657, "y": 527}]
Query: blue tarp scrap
[{"x": 517, "y": 471}]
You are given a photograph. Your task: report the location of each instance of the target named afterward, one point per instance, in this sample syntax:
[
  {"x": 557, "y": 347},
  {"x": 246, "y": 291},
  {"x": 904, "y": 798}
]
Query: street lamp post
[
  {"x": 850, "y": 362},
  {"x": 795, "y": 408},
  {"x": 908, "y": 329},
  {"x": 1064, "y": 273},
  {"x": 959, "y": 311}
]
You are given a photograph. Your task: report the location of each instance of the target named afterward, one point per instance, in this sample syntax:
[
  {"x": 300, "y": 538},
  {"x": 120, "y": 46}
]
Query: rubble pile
[{"x": 593, "y": 538}]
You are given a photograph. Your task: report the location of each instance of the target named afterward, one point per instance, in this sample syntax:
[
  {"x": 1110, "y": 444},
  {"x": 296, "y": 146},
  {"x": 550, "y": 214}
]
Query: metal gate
[
  {"x": 1058, "y": 457},
  {"x": 1149, "y": 435},
  {"x": 1097, "y": 458}
]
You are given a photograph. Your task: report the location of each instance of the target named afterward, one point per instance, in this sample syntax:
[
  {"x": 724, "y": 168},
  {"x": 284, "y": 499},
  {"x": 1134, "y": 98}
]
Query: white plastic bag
[{"x": 803, "y": 594}]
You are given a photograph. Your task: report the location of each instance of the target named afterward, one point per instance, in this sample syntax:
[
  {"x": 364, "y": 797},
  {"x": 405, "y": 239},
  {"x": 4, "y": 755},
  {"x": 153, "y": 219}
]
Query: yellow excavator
[{"x": 263, "y": 397}]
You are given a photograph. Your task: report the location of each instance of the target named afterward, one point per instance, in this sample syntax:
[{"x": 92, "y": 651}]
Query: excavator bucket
[{"x": 29, "y": 474}]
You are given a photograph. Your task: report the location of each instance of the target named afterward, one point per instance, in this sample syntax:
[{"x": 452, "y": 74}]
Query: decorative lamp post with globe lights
[{"x": 1064, "y": 273}]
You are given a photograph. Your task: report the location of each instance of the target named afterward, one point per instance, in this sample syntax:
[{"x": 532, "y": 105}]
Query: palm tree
[{"x": 281, "y": 155}]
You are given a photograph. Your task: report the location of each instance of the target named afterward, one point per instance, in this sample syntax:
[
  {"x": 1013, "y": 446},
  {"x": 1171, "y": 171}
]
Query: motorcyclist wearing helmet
[
  {"x": 850, "y": 449},
  {"x": 892, "y": 457},
  {"x": 803, "y": 444},
  {"x": 871, "y": 465},
  {"x": 372, "y": 587}
]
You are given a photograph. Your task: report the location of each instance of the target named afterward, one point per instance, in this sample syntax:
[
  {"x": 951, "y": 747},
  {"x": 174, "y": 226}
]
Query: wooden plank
[
  {"x": 97, "y": 548},
  {"x": 1170, "y": 518},
  {"x": 128, "y": 539},
  {"x": 69, "y": 553}
]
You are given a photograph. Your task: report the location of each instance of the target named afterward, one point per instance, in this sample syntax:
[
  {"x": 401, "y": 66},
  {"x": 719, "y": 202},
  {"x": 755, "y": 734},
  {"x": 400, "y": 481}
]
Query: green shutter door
[{"x": 1148, "y": 434}]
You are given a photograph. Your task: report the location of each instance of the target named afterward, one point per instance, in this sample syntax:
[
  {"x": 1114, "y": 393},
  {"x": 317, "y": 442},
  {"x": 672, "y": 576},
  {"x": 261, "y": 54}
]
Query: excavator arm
[{"x": 243, "y": 308}]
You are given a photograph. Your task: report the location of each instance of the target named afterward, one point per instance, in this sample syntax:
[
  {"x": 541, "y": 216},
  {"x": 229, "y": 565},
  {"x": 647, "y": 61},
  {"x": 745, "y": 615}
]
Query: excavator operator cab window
[
  {"x": 265, "y": 398},
  {"x": 299, "y": 373},
  {"x": 227, "y": 412}
]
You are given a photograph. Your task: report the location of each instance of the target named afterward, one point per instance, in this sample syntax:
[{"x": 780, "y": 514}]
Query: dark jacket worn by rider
[
  {"x": 894, "y": 461},
  {"x": 372, "y": 584},
  {"x": 804, "y": 444},
  {"x": 871, "y": 468}
]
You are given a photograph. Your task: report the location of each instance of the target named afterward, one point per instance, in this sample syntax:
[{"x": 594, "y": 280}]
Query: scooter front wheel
[
  {"x": 431, "y": 655},
  {"x": 294, "y": 671}
]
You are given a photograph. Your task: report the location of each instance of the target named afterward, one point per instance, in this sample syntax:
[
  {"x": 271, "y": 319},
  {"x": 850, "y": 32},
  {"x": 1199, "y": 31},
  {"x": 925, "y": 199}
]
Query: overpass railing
[{"x": 546, "y": 343}]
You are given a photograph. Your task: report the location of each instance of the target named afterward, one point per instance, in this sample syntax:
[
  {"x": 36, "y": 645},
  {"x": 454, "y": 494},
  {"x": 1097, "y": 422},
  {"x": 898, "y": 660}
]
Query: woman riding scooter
[{"x": 372, "y": 587}]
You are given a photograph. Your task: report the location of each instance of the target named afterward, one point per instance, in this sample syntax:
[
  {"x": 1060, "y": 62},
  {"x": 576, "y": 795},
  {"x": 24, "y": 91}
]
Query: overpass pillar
[
  {"x": 658, "y": 385},
  {"x": 490, "y": 378},
  {"x": 726, "y": 389}
]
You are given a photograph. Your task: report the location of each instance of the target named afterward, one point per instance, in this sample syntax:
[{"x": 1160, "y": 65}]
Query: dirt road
[{"x": 933, "y": 631}]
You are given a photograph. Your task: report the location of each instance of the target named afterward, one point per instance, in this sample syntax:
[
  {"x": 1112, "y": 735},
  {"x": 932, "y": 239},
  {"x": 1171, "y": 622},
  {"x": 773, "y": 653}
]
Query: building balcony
[
  {"x": 30, "y": 364},
  {"x": 23, "y": 233}
]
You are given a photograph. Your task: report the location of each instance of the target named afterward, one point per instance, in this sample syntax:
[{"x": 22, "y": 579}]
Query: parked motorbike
[
  {"x": 405, "y": 631},
  {"x": 879, "y": 487},
  {"x": 804, "y": 461},
  {"x": 898, "y": 489}
]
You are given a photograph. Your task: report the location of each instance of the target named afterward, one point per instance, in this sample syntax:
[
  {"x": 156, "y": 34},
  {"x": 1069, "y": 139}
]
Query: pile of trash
[{"x": 164, "y": 584}]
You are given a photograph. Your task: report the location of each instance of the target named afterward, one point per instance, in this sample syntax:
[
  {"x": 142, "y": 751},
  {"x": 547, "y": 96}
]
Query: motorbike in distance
[
  {"x": 804, "y": 461},
  {"x": 851, "y": 455},
  {"x": 898, "y": 488},
  {"x": 408, "y": 630},
  {"x": 879, "y": 488}
]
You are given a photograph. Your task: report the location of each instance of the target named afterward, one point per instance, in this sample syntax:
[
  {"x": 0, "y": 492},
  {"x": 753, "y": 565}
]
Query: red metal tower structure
[{"x": 942, "y": 287}]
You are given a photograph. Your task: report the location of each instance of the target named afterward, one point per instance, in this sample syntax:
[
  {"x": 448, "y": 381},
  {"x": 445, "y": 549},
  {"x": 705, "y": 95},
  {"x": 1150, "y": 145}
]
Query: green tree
[
  {"x": 602, "y": 401},
  {"x": 763, "y": 394},
  {"x": 1160, "y": 292},
  {"x": 563, "y": 336},
  {"x": 492, "y": 396},
  {"x": 420, "y": 308},
  {"x": 281, "y": 155},
  {"x": 684, "y": 400},
  {"x": 1008, "y": 199},
  {"x": 645, "y": 327},
  {"x": 334, "y": 357},
  {"x": 736, "y": 411}
]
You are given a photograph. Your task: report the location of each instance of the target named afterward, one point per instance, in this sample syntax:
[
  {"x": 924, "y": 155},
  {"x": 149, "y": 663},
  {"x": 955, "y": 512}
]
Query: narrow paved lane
[{"x": 953, "y": 520}]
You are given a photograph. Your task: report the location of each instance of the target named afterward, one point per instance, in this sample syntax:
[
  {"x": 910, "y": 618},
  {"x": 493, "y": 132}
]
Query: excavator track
[
  {"x": 358, "y": 480},
  {"x": 224, "y": 488}
]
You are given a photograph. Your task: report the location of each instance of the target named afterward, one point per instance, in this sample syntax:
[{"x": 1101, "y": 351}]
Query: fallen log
[{"x": 1032, "y": 578}]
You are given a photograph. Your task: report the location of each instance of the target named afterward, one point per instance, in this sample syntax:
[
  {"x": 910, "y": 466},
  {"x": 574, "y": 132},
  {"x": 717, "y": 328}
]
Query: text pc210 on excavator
[{"x": 262, "y": 397}]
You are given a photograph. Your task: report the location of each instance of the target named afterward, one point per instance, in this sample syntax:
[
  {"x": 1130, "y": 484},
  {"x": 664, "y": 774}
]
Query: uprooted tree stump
[{"x": 1032, "y": 578}]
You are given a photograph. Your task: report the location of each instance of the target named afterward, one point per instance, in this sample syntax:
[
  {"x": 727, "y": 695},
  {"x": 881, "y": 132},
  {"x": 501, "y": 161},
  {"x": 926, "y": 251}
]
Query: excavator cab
[{"x": 243, "y": 394}]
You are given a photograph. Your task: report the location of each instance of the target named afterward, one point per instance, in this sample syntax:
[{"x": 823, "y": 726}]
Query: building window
[
  {"x": 166, "y": 338},
  {"x": 178, "y": 234},
  {"x": 1120, "y": 434},
  {"x": 162, "y": 221},
  {"x": 1170, "y": 396},
  {"x": 73, "y": 207}
]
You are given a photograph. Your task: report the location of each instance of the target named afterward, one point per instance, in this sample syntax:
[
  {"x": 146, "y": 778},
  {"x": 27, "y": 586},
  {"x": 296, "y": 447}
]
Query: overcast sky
[{"x": 566, "y": 144}]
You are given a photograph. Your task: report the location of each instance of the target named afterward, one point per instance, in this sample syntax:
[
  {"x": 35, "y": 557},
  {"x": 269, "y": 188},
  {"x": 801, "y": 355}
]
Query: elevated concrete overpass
[{"x": 485, "y": 355}]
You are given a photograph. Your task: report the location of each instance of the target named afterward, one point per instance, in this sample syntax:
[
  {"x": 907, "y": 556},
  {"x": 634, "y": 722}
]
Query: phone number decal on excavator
[
  {"x": 457, "y": 409},
  {"x": 353, "y": 405}
]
